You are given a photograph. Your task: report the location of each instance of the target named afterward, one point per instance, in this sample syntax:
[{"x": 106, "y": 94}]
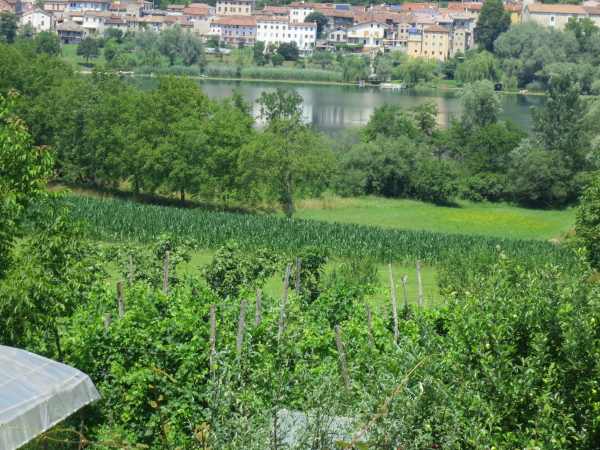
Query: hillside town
[{"x": 423, "y": 30}]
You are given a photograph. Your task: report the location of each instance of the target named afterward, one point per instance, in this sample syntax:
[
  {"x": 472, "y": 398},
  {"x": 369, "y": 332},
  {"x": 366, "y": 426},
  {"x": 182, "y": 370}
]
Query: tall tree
[
  {"x": 480, "y": 104},
  {"x": 320, "y": 19},
  {"x": 287, "y": 158},
  {"x": 279, "y": 105},
  {"x": 560, "y": 123},
  {"x": 493, "y": 21},
  {"x": 258, "y": 53},
  {"x": 8, "y": 27}
]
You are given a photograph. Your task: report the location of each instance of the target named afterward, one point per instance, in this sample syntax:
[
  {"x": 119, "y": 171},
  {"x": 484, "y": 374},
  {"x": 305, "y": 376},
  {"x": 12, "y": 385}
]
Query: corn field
[{"x": 119, "y": 220}]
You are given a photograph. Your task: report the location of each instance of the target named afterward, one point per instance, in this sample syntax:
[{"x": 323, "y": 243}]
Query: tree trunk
[
  {"x": 287, "y": 199},
  {"x": 57, "y": 342},
  {"x": 182, "y": 195}
]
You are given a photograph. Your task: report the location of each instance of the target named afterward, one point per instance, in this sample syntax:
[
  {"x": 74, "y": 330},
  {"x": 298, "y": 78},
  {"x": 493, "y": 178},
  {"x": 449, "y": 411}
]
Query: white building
[
  {"x": 38, "y": 19},
  {"x": 277, "y": 30},
  {"x": 369, "y": 34},
  {"x": 299, "y": 11}
]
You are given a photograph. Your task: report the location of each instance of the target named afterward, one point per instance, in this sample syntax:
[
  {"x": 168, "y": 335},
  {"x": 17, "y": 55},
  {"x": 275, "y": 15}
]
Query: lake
[{"x": 331, "y": 108}]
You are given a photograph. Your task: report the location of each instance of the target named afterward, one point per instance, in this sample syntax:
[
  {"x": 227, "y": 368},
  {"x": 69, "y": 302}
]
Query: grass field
[{"x": 486, "y": 219}]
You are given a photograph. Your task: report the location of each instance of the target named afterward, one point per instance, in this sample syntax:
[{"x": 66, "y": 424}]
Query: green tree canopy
[
  {"x": 25, "y": 170},
  {"x": 8, "y": 27},
  {"x": 47, "y": 43},
  {"x": 481, "y": 105},
  {"x": 493, "y": 21},
  {"x": 88, "y": 48},
  {"x": 320, "y": 19}
]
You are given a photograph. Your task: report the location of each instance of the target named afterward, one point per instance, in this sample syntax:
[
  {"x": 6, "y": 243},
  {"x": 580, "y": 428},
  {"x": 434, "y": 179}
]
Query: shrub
[{"x": 588, "y": 223}]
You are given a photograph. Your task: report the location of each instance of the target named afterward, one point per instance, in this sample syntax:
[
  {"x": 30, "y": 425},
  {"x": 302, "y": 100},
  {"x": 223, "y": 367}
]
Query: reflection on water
[{"x": 331, "y": 108}]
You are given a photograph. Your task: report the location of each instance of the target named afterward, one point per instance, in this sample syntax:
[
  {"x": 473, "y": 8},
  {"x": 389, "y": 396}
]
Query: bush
[
  {"x": 233, "y": 269},
  {"x": 277, "y": 59},
  {"x": 434, "y": 181},
  {"x": 486, "y": 186},
  {"x": 588, "y": 223}
]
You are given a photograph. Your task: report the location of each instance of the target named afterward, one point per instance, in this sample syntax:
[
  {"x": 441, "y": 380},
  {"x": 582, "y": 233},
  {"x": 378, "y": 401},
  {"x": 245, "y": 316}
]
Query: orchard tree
[
  {"x": 287, "y": 158},
  {"x": 88, "y": 48},
  {"x": 48, "y": 43},
  {"x": 493, "y": 21},
  {"x": 25, "y": 171}
]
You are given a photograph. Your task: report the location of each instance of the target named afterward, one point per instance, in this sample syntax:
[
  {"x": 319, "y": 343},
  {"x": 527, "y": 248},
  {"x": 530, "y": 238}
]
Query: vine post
[
  {"x": 286, "y": 286},
  {"x": 342, "y": 356},
  {"x": 419, "y": 284},
  {"x": 166, "y": 273},
  {"x": 258, "y": 308},
  {"x": 241, "y": 327},
  {"x": 394, "y": 303},
  {"x": 120, "y": 299}
]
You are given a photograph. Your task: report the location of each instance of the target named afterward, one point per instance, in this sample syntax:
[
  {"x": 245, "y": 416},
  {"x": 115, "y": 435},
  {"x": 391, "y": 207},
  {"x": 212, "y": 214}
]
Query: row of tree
[{"x": 173, "y": 139}]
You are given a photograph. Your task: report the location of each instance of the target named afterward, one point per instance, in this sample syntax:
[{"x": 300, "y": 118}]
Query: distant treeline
[{"x": 106, "y": 132}]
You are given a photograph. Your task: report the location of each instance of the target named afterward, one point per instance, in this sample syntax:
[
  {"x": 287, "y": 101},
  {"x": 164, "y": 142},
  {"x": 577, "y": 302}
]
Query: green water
[{"x": 332, "y": 108}]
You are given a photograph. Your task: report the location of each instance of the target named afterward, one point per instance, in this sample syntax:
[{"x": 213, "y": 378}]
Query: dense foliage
[{"x": 508, "y": 359}]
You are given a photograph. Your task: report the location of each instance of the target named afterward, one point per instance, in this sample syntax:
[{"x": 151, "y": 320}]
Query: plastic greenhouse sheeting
[{"x": 36, "y": 393}]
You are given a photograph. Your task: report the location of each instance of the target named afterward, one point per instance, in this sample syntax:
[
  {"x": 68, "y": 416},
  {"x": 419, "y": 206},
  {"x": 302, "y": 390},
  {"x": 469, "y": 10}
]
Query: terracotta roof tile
[
  {"x": 556, "y": 9},
  {"x": 242, "y": 21}
]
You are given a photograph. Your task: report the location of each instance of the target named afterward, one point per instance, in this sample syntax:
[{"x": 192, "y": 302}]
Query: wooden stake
[
  {"x": 370, "y": 326},
  {"x": 286, "y": 286},
  {"x": 241, "y": 326},
  {"x": 342, "y": 356},
  {"x": 213, "y": 333},
  {"x": 107, "y": 320},
  {"x": 419, "y": 283},
  {"x": 130, "y": 270},
  {"x": 298, "y": 272},
  {"x": 405, "y": 291},
  {"x": 120, "y": 299},
  {"x": 258, "y": 308},
  {"x": 166, "y": 273},
  {"x": 394, "y": 303}
]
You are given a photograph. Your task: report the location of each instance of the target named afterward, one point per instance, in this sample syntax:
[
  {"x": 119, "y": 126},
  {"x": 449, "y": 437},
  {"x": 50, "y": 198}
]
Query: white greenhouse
[{"x": 36, "y": 393}]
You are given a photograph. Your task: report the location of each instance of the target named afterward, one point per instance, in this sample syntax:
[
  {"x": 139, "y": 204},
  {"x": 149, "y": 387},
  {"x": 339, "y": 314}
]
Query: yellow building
[
  {"x": 552, "y": 16},
  {"x": 515, "y": 10},
  {"x": 432, "y": 43},
  {"x": 234, "y": 7}
]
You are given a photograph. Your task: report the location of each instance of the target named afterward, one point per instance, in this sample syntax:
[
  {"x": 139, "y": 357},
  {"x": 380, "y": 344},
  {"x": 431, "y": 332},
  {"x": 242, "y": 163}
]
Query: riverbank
[{"x": 425, "y": 88}]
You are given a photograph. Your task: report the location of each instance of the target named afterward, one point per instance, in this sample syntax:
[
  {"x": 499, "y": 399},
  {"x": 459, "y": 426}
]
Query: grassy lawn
[
  {"x": 489, "y": 219},
  {"x": 69, "y": 54}
]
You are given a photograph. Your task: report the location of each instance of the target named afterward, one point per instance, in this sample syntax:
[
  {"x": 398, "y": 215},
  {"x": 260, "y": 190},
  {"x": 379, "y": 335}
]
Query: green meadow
[{"x": 485, "y": 219}]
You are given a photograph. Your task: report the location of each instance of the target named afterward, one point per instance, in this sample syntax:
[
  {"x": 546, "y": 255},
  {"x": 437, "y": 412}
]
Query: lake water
[{"x": 331, "y": 108}]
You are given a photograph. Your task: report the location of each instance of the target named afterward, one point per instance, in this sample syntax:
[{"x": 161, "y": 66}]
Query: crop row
[{"x": 119, "y": 220}]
